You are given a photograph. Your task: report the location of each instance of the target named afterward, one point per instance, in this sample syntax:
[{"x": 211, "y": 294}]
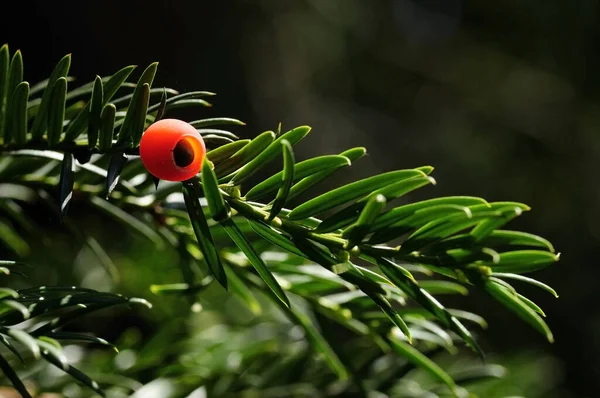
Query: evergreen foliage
[{"x": 353, "y": 256}]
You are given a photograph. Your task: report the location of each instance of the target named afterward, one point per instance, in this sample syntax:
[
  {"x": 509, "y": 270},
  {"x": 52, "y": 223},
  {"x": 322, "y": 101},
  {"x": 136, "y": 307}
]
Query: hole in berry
[{"x": 183, "y": 153}]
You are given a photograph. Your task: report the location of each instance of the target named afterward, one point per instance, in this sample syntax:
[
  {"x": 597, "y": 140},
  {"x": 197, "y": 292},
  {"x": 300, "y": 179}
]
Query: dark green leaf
[
  {"x": 184, "y": 104},
  {"x": 136, "y": 112},
  {"x": 133, "y": 124},
  {"x": 526, "y": 279},
  {"x": 15, "y": 73},
  {"x": 301, "y": 170},
  {"x": 18, "y": 112},
  {"x": 245, "y": 154},
  {"x": 15, "y": 77},
  {"x": 443, "y": 227},
  {"x": 81, "y": 91},
  {"x": 409, "y": 286},
  {"x": 56, "y": 111},
  {"x": 365, "y": 279},
  {"x": 436, "y": 287},
  {"x": 216, "y": 204},
  {"x": 59, "y": 288},
  {"x": 287, "y": 178},
  {"x": 426, "y": 169},
  {"x": 402, "y": 187},
  {"x": 387, "y": 308},
  {"x": 485, "y": 228},
  {"x": 11, "y": 347},
  {"x": 310, "y": 222},
  {"x": 79, "y": 337},
  {"x": 243, "y": 292},
  {"x": 516, "y": 238},
  {"x": 224, "y": 152},
  {"x": 463, "y": 315},
  {"x": 203, "y": 235},
  {"x": 423, "y": 324},
  {"x": 15, "y": 305},
  {"x": 357, "y": 231},
  {"x": 350, "y": 213},
  {"x": 219, "y": 133},
  {"x": 127, "y": 98},
  {"x": 461, "y": 257},
  {"x": 76, "y": 374},
  {"x": 312, "y": 180},
  {"x": 516, "y": 305},
  {"x": 52, "y": 348},
  {"x": 354, "y": 153},
  {"x": 10, "y": 373},
  {"x": 270, "y": 153},
  {"x": 96, "y": 104},
  {"x": 162, "y": 106},
  {"x": 4, "y": 291},
  {"x": 98, "y": 171},
  {"x": 242, "y": 243},
  {"x": 41, "y": 118},
  {"x": 5, "y": 95},
  {"x": 140, "y": 110},
  {"x": 531, "y": 304},
  {"x": 77, "y": 126},
  {"x": 424, "y": 335},
  {"x": 344, "y": 317},
  {"x": 72, "y": 315},
  {"x": 275, "y": 237},
  {"x": 115, "y": 167},
  {"x": 107, "y": 123},
  {"x": 25, "y": 339},
  {"x": 217, "y": 121},
  {"x": 523, "y": 261},
  {"x": 399, "y": 213},
  {"x": 66, "y": 183},
  {"x": 468, "y": 316},
  {"x": 415, "y": 357},
  {"x": 478, "y": 374},
  {"x": 343, "y": 267},
  {"x": 216, "y": 140},
  {"x": 184, "y": 99},
  {"x": 349, "y": 192},
  {"x": 499, "y": 206}
]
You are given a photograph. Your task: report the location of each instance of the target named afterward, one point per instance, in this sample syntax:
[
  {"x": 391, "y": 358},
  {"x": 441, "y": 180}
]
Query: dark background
[{"x": 503, "y": 98}]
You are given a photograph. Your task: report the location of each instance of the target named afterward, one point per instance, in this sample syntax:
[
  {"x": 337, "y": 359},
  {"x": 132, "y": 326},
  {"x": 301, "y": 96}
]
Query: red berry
[{"x": 172, "y": 150}]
